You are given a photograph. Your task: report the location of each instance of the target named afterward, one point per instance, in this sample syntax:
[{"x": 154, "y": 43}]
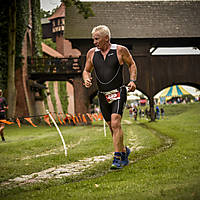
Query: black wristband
[{"x": 131, "y": 80}]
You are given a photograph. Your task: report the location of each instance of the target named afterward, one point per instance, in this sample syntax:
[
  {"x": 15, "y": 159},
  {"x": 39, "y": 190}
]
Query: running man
[
  {"x": 107, "y": 60},
  {"x": 3, "y": 107}
]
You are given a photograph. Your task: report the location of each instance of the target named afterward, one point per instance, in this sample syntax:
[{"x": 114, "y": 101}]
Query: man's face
[{"x": 99, "y": 40}]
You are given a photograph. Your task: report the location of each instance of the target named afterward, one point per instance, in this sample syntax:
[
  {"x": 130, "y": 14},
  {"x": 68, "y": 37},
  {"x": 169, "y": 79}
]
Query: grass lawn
[{"x": 164, "y": 163}]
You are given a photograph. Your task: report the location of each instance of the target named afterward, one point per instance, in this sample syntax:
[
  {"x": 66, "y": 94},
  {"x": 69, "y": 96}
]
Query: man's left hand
[{"x": 131, "y": 87}]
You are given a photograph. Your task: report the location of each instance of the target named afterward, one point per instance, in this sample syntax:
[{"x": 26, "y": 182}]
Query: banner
[
  {"x": 90, "y": 117},
  {"x": 18, "y": 122},
  {"x": 46, "y": 119},
  {"x": 6, "y": 122},
  {"x": 77, "y": 119},
  {"x": 59, "y": 119},
  {"x": 84, "y": 119},
  {"x": 30, "y": 121}
]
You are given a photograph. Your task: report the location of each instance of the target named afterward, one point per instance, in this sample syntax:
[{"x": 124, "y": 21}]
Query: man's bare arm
[
  {"x": 87, "y": 78},
  {"x": 128, "y": 59}
]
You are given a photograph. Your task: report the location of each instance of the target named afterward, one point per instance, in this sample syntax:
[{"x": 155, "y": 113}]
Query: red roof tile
[{"x": 60, "y": 12}]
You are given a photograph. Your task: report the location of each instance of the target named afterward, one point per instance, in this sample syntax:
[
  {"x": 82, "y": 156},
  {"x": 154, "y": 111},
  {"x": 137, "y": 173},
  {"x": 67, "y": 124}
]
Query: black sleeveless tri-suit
[{"x": 109, "y": 77}]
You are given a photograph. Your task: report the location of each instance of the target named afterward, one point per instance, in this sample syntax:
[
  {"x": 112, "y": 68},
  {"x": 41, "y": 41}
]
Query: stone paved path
[{"x": 61, "y": 171}]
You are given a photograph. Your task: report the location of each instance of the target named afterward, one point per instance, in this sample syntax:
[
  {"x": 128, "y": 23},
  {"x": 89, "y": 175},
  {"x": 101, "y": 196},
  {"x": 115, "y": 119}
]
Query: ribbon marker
[{"x": 63, "y": 141}]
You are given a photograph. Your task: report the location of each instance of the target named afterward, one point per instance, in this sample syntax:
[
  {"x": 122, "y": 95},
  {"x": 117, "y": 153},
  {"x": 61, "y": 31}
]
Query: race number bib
[{"x": 112, "y": 95}]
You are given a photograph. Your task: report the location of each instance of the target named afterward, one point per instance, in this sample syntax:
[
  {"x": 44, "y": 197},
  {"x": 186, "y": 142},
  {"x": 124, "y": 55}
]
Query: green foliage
[
  {"x": 45, "y": 14},
  {"x": 22, "y": 22},
  {"x": 50, "y": 43},
  {"x": 4, "y": 45},
  {"x": 83, "y": 7},
  {"x": 22, "y": 17},
  {"x": 37, "y": 28},
  {"x": 44, "y": 97},
  {"x": 49, "y": 13},
  {"x": 62, "y": 91},
  {"x": 52, "y": 94}
]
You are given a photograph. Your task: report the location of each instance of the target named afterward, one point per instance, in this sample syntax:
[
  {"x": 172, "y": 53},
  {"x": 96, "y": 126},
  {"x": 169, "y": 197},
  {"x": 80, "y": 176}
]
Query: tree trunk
[
  {"x": 11, "y": 59},
  {"x": 152, "y": 112}
]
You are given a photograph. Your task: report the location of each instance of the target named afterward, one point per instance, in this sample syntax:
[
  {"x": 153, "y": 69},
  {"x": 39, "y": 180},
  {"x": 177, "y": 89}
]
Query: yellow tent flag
[{"x": 30, "y": 121}]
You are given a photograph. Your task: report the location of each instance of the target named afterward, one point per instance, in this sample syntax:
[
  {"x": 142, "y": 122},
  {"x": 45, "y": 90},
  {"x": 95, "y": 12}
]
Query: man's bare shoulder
[
  {"x": 91, "y": 51},
  {"x": 90, "y": 55},
  {"x": 122, "y": 49}
]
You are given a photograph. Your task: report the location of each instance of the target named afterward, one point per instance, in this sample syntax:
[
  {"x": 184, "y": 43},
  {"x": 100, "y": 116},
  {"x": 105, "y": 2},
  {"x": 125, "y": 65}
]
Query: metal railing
[{"x": 55, "y": 65}]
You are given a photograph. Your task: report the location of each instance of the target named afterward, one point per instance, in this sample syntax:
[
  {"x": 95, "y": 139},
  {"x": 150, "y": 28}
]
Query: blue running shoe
[
  {"x": 125, "y": 155},
  {"x": 117, "y": 161}
]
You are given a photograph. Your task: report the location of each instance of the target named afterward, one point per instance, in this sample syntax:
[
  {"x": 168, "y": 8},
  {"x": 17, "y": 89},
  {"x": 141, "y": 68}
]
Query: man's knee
[{"x": 116, "y": 121}]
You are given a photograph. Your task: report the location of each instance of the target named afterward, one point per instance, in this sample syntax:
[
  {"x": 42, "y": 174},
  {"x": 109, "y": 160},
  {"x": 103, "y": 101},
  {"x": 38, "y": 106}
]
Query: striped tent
[{"x": 174, "y": 91}]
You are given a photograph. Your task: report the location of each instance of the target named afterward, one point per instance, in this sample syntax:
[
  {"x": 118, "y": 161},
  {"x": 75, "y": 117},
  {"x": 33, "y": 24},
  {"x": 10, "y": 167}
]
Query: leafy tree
[
  {"x": 3, "y": 45},
  {"x": 50, "y": 43},
  {"x": 11, "y": 58},
  {"x": 44, "y": 13},
  {"x": 49, "y": 13},
  {"x": 13, "y": 24},
  {"x": 84, "y": 8}
]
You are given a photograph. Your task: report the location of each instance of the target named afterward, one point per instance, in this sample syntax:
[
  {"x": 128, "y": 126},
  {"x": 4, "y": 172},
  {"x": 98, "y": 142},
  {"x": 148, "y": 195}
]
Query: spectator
[
  {"x": 157, "y": 112},
  {"x": 3, "y": 108},
  {"x": 131, "y": 112},
  {"x": 135, "y": 113},
  {"x": 162, "y": 112},
  {"x": 140, "y": 113}
]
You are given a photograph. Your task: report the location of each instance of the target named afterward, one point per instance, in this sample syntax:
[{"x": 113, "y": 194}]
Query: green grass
[{"x": 165, "y": 164}]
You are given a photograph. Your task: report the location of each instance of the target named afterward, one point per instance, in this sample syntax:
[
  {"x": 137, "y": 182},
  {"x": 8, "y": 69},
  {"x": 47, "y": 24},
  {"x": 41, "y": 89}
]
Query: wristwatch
[{"x": 131, "y": 80}]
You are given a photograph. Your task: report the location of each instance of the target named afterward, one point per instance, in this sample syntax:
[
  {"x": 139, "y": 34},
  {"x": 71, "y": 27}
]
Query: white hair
[{"x": 103, "y": 30}]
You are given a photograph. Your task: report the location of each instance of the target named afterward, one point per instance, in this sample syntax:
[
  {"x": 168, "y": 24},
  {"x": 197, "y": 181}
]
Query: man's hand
[
  {"x": 88, "y": 82},
  {"x": 131, "y": 87}
]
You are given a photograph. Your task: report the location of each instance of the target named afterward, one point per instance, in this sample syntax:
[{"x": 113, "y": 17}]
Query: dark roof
[{"x": 138, "y": 19}]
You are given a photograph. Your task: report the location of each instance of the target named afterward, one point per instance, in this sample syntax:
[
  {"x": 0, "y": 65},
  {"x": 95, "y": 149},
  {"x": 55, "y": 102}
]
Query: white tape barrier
[{"x": 63, "y": 141}]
